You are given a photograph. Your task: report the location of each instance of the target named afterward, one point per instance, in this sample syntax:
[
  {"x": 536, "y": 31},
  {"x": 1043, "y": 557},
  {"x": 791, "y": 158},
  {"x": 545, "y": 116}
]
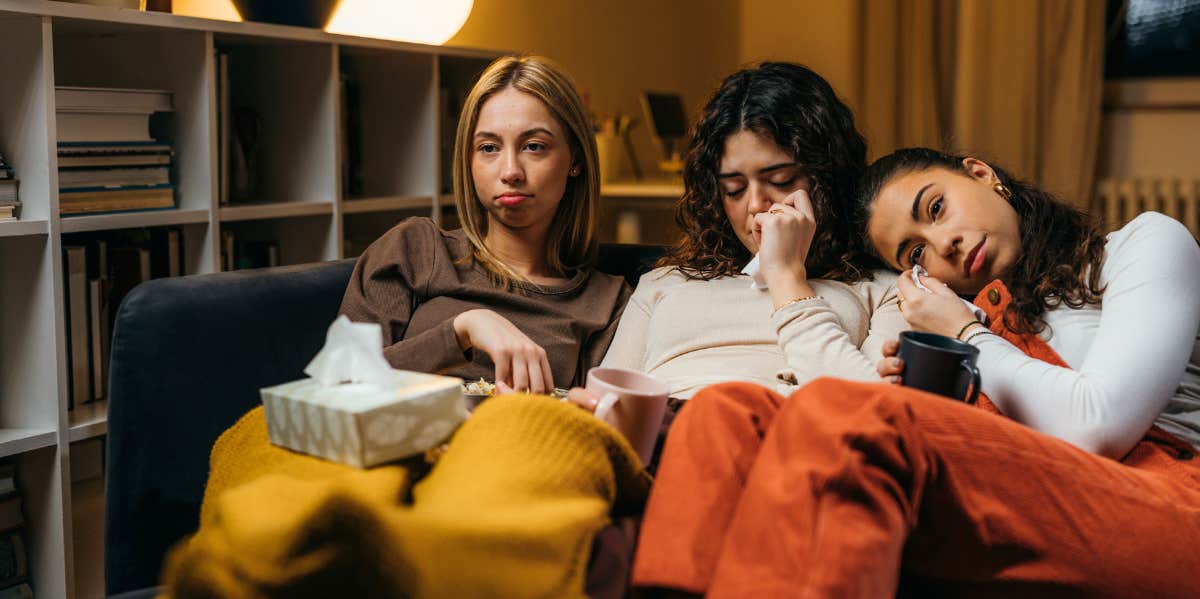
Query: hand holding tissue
[
  {"x": 356, "y": 409},
  {"x": 919, "y": 271},
  {"x": 752, "y": 269}
]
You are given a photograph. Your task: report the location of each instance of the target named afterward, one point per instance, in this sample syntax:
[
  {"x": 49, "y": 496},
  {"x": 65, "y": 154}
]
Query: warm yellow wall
[
  {"x": 820, "y": 34},
  {"x": 616, "y": 48}
]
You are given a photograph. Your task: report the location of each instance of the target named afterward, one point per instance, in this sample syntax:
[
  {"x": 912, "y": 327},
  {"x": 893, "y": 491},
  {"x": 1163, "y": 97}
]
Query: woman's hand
[
  {"x": 785, "y": 234},
  {"x": 938, "y": 310},
  {"x": 521, "y": 364},
  {"x": 889, "y": 367},
  {"x": 582, "y": 398}
]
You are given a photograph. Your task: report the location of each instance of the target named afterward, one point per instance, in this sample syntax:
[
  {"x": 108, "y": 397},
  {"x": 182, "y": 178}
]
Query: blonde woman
[
  {"x": 511, "y": 508},
  {"x": 511, "y": 296}
]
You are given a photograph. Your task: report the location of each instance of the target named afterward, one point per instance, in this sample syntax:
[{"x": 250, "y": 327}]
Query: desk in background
[{"x": 640, "y": 211}]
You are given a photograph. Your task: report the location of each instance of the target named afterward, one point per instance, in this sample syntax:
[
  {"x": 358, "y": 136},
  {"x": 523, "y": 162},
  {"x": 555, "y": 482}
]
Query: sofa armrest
[{"x": 188, "y": 357}]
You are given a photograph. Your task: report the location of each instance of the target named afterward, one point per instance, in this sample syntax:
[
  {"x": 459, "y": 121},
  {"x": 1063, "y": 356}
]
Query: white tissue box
[{"x": 363, "y": 424}]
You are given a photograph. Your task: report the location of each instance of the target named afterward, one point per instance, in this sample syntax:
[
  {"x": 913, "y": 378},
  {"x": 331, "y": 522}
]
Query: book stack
[
  {"x": 10, "y": 204},
  {"x": 14, "y": 558},
  {"x": 108, "y": 157},
  {"x": 99, "y": 270}
]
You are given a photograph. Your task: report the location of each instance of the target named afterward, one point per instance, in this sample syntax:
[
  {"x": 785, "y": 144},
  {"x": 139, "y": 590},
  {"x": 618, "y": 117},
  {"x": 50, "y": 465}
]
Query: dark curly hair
[
  {"x": 796, "y": 108},
  {"x": 1062, "y": 247}
]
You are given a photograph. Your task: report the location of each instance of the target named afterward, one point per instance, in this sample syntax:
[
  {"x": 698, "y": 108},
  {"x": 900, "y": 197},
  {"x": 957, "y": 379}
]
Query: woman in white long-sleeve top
[{"x": 1077, "y": 477}]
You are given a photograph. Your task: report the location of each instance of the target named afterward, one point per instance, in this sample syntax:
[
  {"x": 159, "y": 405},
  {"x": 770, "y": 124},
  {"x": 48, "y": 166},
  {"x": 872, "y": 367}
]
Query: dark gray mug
[{"x": 939, "y": 364}]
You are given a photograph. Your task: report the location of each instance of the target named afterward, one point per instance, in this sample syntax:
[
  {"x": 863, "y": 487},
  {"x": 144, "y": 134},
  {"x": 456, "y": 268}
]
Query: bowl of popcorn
[{"x": 475, "y": 392}]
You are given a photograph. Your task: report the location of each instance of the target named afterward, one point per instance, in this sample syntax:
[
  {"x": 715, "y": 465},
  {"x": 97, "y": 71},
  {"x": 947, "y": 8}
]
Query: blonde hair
[{"x": 571, "y": 240}]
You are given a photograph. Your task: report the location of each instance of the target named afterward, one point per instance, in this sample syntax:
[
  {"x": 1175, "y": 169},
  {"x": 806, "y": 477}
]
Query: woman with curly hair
[
  {"x": 769, "y": 172},
  {"x": 1076, "y": 474}
]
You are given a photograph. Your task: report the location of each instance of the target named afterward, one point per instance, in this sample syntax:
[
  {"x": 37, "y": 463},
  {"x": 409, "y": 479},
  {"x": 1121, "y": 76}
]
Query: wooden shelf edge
[
  {"x": 386, "y": 203},
  {"x": 245, "y": 212},
  {"x": 130, "y": 220},
  {"x": 24, "y": 228},
  {"x": 20, "y": 440},
  {"x": 87, "y": 421}
]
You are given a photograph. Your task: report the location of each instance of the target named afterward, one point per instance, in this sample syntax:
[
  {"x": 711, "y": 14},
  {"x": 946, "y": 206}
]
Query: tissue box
[{"x": 361, "y": 424}]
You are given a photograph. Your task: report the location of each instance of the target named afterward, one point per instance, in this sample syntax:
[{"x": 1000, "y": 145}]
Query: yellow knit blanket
[{"x": 508, "y": 511}]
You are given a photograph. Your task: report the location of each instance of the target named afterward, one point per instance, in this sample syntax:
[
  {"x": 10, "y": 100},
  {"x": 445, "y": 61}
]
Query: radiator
[{"x": 1118, "y": 201}]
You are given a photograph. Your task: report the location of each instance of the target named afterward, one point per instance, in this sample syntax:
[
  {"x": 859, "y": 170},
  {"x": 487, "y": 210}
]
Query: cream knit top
[{"x": 692, "y": 333}]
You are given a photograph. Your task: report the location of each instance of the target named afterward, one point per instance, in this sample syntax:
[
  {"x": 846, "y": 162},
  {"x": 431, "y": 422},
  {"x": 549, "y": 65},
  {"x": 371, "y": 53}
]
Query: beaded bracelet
[
  {"x": 797, "y": 300},
  {"x": 964, "y": 328},
  {"x": 974, "y": 334}
]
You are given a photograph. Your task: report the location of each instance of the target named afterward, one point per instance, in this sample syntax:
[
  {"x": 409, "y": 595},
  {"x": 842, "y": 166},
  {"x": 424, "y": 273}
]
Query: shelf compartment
[
  {"x": 87, "y": 421},
  {"x": 456, "y": 76},
  {"x": 22, "y": 228},
  {"x": 297, "y": 240},
  {"x": 245, "y": 212},
  {"x": 91, "y": 54},
  {"x": 281, "y": 113},
  {"x": 383, "y": 153},
  {"x": 20, "y": 440},
  {"x": 129, "y": 220},
  {"x": 385, "y": 204}
]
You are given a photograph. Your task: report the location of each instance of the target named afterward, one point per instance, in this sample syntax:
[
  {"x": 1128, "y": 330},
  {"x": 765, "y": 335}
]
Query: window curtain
[{"x": 1019, "y": 82}]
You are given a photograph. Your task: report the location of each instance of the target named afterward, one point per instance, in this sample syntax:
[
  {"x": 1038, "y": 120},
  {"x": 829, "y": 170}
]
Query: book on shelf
[
  {"x": 85, "y": 114},
  {"x": 112, "y": 148},
  {"x": 109, "y": 99},
  {"x": 10, "y": 203},
  {"x": 76, "y": 289},
  {"x": 114, "y": 177},
  {"x": 14, "y": 562},
  {"x": 6, "y": 171},
  {"x": 91, "y": 200},
  {"x": 87, "y": 126},
  {"x": 9, "y": 191},
  {"x": 8, "y": 478},
  {"x": 350, "y": 136},
  {"x": 20, "y": 591},
  {"x": 223, "y": 127},
  {"x": 87, "y": 460},
  {"x": 111, "y": 160},
  {"x": 113, "y": 263},
  {"x": 237, "y": 254},
  {"x": 98, "y": 327},
  {"x": 11, "y": 515},
  {"x": 109, "y": 176}
]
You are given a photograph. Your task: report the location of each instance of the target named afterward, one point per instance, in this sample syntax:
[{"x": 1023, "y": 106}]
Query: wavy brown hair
[
  {"x": 1062, "y": 247},
  {"x": 799, "y": 111}
]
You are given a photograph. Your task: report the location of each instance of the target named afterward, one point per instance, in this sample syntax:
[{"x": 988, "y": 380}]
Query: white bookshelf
[{"x": 293, "y": 77}]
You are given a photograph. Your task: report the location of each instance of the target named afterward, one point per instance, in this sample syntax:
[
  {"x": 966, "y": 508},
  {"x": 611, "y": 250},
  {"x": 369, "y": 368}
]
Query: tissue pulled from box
[
  {"x": 751, "y": 269},
  {"x": 353, "y": 352},
  {"x": 356, "y": 412}
]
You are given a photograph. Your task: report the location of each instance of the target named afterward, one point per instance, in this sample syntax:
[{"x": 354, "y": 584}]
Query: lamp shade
[
  {"x": 302, "y": 13},
  {"x": 422, "y": 21}
]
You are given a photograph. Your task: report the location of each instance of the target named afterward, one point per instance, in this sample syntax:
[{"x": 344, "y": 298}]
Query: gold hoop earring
[{"x": 1002, "y": 190}]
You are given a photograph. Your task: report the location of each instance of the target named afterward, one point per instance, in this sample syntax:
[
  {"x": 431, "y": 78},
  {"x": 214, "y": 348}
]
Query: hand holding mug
[{"x": 890, "y": 367}]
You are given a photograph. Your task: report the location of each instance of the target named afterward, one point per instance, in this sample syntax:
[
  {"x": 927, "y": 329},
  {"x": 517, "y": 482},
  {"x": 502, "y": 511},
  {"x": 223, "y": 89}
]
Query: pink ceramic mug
[{"x": 632, "y": 402}]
